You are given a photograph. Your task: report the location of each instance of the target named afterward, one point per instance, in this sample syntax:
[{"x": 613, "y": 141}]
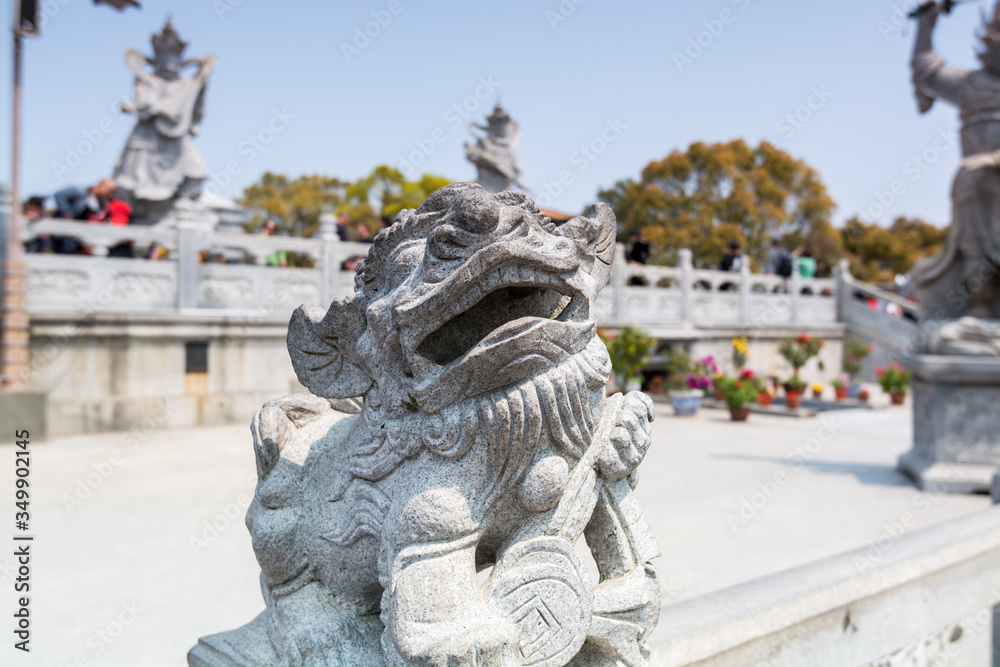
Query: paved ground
[{"x": 129, "y": 569}]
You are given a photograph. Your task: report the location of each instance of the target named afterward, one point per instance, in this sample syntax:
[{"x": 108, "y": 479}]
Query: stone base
[
  {"x": 956, "y": 424},
  {"x": 946, "y": 477},
  {"x": 22, "y": 410}
]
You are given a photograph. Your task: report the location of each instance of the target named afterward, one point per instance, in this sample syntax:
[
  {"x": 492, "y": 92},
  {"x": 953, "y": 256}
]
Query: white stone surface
[{"x": 130, "y": 539}]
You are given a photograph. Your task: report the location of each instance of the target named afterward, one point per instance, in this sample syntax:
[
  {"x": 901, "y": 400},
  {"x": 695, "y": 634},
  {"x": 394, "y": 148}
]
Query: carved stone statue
[
  {"x": 459, "y": 423},
  {"x": 495, "y": 154},
  {"x": 160, "y": 166},
  {"x": 964, "y": 278}
]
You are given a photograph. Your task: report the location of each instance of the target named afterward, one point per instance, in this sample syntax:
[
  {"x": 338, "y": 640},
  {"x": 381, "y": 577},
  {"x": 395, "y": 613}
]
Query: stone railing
[
  {"x": 684, "y": 295},
  {"x": 113, "y": 284},
  {"x": 665, "y": 296},
  {"x": 927, "y": 598}
]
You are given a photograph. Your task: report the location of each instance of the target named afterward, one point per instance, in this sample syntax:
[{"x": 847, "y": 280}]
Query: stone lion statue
[{"x": 459, "y": 426}]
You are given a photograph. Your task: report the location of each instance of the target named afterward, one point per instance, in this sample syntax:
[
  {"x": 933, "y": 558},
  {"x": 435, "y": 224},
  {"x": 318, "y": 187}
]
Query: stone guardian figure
[
  {"x": 495, "y": 153},
  {"x": 160, "y": 166},
  {"x": 962, "y": 279}
]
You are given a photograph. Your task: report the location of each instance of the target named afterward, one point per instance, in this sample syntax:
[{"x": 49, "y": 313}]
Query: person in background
[
  {"x": 350, "y": 263},
  {"x": 636, "y": 254},
  {"x": 34, "y": 210},
  {"x": 75, "y": 203},
  {"x": 804, "y": 263},
  {"x": 278, "y": 257},
  {"x": 637, "y": 250},
  {"x": 732, "y": 261},
  {"x": 364, "y": 236},
  {"x": 343, "y": 224},
  {"x": 385, "y": 222}
]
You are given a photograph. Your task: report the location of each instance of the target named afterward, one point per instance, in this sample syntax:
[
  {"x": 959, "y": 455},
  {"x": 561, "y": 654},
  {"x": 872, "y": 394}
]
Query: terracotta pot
[
  {"x": 841, "y": 392},
  {"x": 739, "y": 414},
  {"x": 793, "y": 400},
  {"x": 765, "y": 399},
  {"x": 817, "y": 394},
  {"x": 897, "y": 399},
  {"x": 863, "y": 395}
]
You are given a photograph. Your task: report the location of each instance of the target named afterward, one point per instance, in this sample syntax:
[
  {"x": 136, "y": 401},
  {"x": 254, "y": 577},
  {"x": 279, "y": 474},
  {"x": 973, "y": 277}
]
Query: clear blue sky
[{"x": 562, "y": 82}]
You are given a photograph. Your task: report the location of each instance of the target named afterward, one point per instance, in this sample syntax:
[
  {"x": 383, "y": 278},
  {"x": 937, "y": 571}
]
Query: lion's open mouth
[{"x": 496, "y": 309}]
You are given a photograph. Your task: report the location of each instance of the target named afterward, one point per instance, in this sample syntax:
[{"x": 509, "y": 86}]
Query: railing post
[
  {"x": 745, "y": 293},
  {"x": 330, "y": 254},
  {"x": 795, "y": 292},
  {"x": 687, "y": 284},
  {"x": 842, "y": 275},
  {"x": 187, "y": 265},
  {"x": 618, "y": 271}
]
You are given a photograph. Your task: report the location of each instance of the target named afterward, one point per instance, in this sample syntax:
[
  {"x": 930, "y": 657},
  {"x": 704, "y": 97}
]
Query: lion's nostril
[{"x": 475, "y": 211}]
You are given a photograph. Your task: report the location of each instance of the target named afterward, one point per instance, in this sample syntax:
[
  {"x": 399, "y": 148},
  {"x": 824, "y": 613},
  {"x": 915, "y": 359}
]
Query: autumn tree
[
  {"x": 878, "y": 254},
  {"x": 296, "y": 204},
  {"x": 713, "y": 193}
]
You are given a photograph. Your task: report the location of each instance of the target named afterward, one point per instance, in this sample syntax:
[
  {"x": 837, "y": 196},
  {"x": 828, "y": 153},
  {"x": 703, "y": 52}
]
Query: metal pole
[{"x": 14, "y": 329}]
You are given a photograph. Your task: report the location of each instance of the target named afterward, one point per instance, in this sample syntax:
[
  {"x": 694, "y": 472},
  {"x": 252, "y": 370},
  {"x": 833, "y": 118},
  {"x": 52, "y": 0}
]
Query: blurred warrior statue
[
  {"x": 160, "y": 168},
  {"x": 495, "y": 155}
]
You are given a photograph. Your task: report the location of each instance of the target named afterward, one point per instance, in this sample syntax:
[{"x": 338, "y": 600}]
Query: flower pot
[
  {"x": 739, "y": 414},
  {"x": 863, "y": 395},
  {"x": 817, "y": 394},
  {"x": 719, "y": 396},
  {"x": 841, "y": 392},
  {"x": 897, "y": 399},
  {"x": 685, "y": 402},
  {"x": 853, "y": 390},
  {"x": 765, "y": 398},
  {"x": 793, "y": 400}
]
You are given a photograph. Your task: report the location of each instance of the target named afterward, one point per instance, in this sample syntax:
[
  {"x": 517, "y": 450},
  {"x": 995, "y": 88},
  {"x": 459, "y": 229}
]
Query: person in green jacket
[
  {"x": 805, "y": 264},
  {"x": 279, "y": 257}
]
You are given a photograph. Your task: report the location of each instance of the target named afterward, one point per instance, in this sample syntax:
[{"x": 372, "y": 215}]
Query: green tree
[
  {"x": 713, "y": 193},
  {"x": 877, "y": 254},
  {"x": 296, "y": 204}
]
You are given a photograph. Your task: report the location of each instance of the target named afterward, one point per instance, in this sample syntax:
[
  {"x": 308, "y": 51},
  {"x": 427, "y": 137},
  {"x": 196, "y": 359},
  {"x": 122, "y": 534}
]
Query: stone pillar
[
  {"x": 687, "y": 284},
  {"x": 842, "y": 277},
  {"x": 745, "y": 293},
  {"x": 187, "y": 265},
  {"x": 794, "y": 293},
  {"x": 329, "y": 261}
]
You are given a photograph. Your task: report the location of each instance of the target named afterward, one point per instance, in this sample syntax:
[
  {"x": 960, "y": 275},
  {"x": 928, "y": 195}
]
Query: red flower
[
  {"x": 879, "y": 371},
  {"x": 739, "y": 384},
  {"x": 746, "y": 374}
]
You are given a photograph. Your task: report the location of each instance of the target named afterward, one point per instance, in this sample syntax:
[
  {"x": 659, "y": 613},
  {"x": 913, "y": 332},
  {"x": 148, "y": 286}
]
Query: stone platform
[
  {"x": 156, "y": 553},
  {"x": 956, "y": 428}
]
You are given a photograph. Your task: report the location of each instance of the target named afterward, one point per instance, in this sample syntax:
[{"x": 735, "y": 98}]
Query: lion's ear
[
  {"x": 597, "y": 229},
  {"x": 321, "y": 346}
]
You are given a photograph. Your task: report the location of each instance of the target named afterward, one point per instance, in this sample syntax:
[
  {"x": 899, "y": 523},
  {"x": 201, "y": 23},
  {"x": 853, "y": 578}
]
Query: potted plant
[
  {"x": 739, "y": 393},
  {"x": 793, "y": 392},
  {"x": 655, "y": 385},
  {"x": 855, "y": 352},
  {"x": 797, "y": 352},
  {"x": 688, "y": 382},
  {"x": 817, "y": 390},
  {"x": 765, "y": 392},
  {"x": 840, "y": 386},
  {"x": 895, "y": 381},
  {"x": 863, "y": 394},
  {"x": 629, "y": 352}
]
